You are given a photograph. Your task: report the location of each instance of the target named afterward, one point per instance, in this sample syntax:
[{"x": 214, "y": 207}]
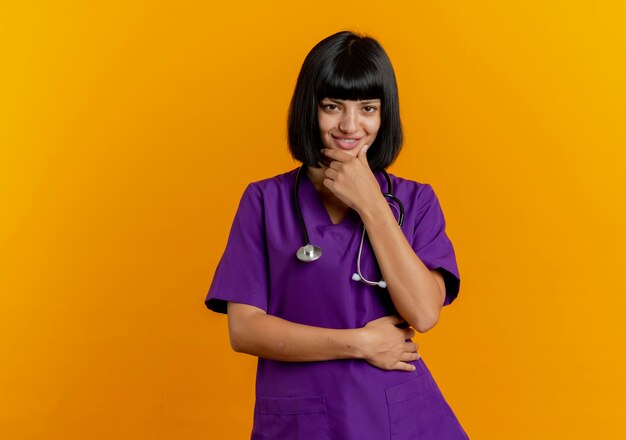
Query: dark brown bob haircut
[{"x": 345, "y": 66}]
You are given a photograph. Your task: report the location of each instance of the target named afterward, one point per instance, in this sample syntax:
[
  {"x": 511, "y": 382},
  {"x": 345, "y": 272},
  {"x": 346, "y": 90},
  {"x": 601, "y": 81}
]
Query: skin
[
  {"x": 417, "y": 292},
  {"x": 339, "y": 119},
  {"x": 379, "y": 342},
  {"x": 344, "y": 182}
]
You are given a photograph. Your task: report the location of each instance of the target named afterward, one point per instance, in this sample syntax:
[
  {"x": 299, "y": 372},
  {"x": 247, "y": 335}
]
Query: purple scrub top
[{"x": 338, "y": 399}]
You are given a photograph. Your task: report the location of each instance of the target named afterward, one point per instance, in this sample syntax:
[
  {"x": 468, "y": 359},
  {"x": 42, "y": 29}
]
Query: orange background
[{"x": 129, "y": 130}]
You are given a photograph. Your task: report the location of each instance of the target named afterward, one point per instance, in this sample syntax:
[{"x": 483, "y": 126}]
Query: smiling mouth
[{"x": 346, "y": 143}]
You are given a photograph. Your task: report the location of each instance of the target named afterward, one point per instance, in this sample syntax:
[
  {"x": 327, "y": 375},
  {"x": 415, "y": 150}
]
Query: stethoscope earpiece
[
  {"x": 309, "y": 252},
  {"x": 382, "y": 284}
]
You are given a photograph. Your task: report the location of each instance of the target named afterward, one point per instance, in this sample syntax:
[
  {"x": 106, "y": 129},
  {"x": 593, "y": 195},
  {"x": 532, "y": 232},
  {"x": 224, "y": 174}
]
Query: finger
[
  {"x": 409, "y": 333},
  {"x": 362, "y": 155},
  {"x": 336, "y": 165},
  {"x": 331, "y": 173},
  {"x": 336, "y": 155},
  {"x": 403, "y": 366},
  {"x": 410, "y": 346},
  {"x": 408, "y": 357},
  {"x": 395, "y": 319}
]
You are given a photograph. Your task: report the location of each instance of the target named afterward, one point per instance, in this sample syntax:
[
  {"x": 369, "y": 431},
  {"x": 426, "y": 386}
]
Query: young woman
[{"x": 330, "y": 266}]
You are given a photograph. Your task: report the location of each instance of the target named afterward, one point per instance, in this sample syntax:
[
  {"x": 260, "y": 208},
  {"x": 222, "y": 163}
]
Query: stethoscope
[{"x": 310, "y": 252}]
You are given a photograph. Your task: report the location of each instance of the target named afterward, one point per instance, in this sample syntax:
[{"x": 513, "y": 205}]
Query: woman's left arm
[{"x": 417, "y": 292}]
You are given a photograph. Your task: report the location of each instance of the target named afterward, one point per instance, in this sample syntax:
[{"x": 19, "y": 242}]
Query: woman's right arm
[{"x": 379, "y": 342}]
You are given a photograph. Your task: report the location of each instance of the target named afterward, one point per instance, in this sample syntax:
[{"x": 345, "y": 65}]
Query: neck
[{"x": 317, "y": 176}]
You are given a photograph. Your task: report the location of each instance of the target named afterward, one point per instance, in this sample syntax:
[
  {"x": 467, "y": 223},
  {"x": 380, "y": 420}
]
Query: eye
[
  {"x": 369, "y": 109},
  {"x": 330, "y": 107}
]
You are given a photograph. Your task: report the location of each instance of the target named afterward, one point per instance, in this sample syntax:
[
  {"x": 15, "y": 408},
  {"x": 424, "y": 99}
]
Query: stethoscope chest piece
[{"x": 308, "y": 253}]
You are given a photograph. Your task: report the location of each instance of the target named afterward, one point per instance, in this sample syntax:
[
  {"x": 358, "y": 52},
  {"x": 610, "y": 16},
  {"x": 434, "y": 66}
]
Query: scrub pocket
[
  {"x": 418, "y": 411},
  {"x": 290, "y": 418}
]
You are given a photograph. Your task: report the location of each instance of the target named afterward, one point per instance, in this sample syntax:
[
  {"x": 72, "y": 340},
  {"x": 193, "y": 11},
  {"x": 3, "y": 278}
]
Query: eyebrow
[{"x": 365, "y": 101}]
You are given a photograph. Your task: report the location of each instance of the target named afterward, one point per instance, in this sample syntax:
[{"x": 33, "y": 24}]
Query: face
[{"x": 348, "y": 125}]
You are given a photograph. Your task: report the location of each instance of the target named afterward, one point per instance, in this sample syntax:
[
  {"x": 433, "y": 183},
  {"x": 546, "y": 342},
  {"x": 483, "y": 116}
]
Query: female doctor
[{"x": 330, "y": 267}]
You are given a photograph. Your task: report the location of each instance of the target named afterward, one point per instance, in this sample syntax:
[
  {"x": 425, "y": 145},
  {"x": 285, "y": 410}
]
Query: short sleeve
[
  {"x": 431, "y": 243},
  {"x": 241, "y": 274}
]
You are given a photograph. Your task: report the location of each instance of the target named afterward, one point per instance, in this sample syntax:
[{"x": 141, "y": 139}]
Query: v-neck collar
[
  {"x": 318, "y": 222},
  {"x": 315, "y": 206},
  {"x": 322, "y": 218}
]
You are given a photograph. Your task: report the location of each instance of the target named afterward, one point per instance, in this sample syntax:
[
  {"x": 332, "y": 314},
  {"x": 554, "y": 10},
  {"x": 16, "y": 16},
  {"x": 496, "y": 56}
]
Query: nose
[{"x": 349, "y": 121}]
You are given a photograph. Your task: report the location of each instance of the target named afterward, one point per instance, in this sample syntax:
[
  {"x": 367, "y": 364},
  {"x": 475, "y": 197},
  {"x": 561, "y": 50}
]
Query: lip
[{"x": 346, "y": 145}]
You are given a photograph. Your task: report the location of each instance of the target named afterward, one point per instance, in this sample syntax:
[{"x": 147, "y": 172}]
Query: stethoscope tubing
[{"x": 310, "y": 252}]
